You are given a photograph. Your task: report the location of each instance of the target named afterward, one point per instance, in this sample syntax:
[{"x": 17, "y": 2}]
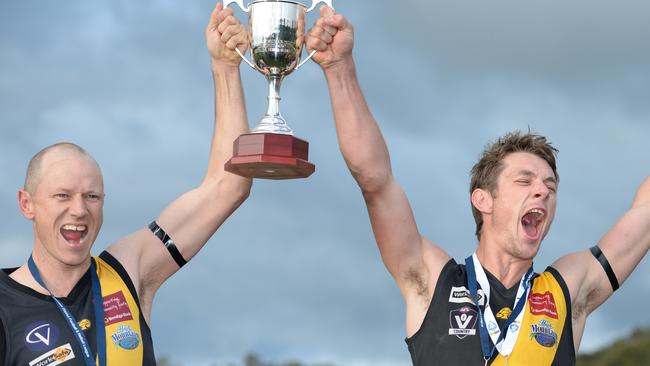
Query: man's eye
[
  {"x": 61, "y": 195},
  {"x": 523, "y": 181},
  {"x": 93, "y": 197}
]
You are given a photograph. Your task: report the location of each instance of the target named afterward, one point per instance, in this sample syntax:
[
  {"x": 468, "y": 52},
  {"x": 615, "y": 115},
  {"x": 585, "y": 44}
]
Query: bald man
[{"x": 66, "y": 306}]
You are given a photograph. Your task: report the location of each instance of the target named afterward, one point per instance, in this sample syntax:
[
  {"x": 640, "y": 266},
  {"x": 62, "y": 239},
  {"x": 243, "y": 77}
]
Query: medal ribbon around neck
[
  {"x": 503, "y": 339},
  {"x": 98, "y": 304}
]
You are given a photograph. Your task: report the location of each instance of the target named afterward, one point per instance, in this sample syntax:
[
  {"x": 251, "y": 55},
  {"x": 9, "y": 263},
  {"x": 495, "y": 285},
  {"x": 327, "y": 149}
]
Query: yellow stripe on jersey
[
  {"x": 121, "y": 318},
  {"x": 542, "y": 325}
]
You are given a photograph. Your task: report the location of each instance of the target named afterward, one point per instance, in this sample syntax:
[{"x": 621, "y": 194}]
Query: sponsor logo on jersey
[
  {"x": 504, "y": 313},
  {"x": 462, "y": 322},
  {"x": 116, "y": 309},
  {"x": 460, "y": 295},
  {"x": 41, "y": 335},
  {"x": 514, "y": 326},
  {"x": 543, "y": 333},
  {"x": 84, "y": 324},
  {"x": 125, "y": 338},
  {"x": 542, "y": 304},
  {"x": 56, "y": 356},
  {"x": 492, "y": 327}
]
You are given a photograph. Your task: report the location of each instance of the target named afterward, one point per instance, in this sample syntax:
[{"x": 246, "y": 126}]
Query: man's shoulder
[
  {"x": 8, "y": 271},
  {"x": 451, "y": 271},
  {"x": 552, "y": 274},
  {"x": 6, "y": 281},
  {"x": 549, "y": 286},
  {"x": 453, "y": 278},
  {"x": 108, "y": 260}
]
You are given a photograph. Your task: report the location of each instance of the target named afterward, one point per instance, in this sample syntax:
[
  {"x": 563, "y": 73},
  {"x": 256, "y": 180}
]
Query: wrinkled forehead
[{"x": 528, "y": 164}]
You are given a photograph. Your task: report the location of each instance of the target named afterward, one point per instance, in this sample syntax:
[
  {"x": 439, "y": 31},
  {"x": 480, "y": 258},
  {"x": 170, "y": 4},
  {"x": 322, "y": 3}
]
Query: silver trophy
[{"x": 277, "y": 34}]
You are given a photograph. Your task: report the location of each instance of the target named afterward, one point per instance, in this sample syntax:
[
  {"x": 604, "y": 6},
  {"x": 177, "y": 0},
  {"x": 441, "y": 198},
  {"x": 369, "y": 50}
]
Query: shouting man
[
  {"x": 65, "y": 305},
  {"x": 493, "y": 308}
]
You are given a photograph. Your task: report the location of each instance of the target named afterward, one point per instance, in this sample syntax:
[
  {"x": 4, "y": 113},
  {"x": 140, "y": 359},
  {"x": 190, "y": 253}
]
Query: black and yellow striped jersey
[
  {"x": 33, "y": 331},
  {"x": 449, "y": 334}
]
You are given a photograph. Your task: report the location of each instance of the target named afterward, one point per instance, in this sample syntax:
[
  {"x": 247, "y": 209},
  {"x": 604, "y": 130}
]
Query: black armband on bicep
[
  {"x": 595, "y": 250},
  {"x": 168, "y": 242}
]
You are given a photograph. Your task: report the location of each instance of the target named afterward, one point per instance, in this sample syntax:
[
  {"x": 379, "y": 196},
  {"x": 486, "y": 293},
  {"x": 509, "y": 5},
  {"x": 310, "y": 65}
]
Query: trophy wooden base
[{"x": 270, "y": 156}]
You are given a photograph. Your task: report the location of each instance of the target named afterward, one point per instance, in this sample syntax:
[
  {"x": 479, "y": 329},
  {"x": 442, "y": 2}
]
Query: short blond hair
[{"x": 33, "y": 176}]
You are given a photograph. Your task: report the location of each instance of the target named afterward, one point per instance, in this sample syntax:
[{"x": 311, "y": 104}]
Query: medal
[{"x": 503, "y": 339}]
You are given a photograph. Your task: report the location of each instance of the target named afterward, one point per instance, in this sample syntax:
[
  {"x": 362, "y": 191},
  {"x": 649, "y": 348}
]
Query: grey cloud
[{"x": 552, "y": 37}]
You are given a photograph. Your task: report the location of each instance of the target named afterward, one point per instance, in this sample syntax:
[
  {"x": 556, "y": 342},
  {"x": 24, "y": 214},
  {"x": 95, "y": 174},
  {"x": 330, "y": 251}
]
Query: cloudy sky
[{"x": 294, "y": 273}]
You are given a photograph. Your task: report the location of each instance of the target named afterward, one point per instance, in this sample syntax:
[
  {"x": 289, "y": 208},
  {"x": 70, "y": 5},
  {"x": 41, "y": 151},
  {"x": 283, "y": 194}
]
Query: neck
[
  {"x": 59, "y": 277},
  {"x": 506, "y": 268}
]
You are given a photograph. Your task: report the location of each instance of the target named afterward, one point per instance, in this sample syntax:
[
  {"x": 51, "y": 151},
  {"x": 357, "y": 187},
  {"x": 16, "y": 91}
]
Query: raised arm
[
  {"x": 412, "y": 260},
  {"x": 624, "y": 246},
  {"x": 194, "y": 217}
]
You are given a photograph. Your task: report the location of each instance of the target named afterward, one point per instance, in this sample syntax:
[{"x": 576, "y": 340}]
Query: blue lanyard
[
  {"x": 483, "y": 332},
  {"x": 98, "y": 304}
]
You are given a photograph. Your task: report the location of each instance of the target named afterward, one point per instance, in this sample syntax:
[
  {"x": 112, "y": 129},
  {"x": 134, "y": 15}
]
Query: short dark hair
[{"x": 486, "y": 171}]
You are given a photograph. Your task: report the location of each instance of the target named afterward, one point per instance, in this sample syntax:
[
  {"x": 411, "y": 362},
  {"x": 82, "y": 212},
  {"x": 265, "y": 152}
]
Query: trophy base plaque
[{"x": 270, "y": 156}]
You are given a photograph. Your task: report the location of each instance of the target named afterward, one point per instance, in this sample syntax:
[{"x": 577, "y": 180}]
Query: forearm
[
  {"x": 230, "y": 122},
  {"x": 197, "y": 214},
  {"x": 360, "y": 139}
]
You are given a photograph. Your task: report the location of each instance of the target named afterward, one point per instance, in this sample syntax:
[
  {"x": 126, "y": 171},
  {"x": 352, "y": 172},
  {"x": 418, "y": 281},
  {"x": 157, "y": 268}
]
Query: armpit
[
  {"x": 586, "y": 305},
  {"x": 417, "y": 281}
]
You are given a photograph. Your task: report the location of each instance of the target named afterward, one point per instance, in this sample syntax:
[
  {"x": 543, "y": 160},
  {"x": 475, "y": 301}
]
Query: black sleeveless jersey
[
  {"x": 33, "y": 331},
  {"x": 449, "y": 334}
]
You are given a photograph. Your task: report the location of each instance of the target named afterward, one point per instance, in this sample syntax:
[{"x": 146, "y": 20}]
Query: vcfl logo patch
[
  {"x": 40, "y": 335},
  {"x": 462, "y": 322}
]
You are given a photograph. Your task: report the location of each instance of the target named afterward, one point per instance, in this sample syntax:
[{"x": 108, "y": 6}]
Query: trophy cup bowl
[{"x": 277, "y": 34}]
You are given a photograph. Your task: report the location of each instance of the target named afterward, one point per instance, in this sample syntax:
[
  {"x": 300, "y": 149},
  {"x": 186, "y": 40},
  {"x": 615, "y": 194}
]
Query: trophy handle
[
  {"x": 238, "y": 2},
  {"x": 316, "y": 2},
  {"x": 245, "y": 9},
  {"x": 312, "y": 7}
]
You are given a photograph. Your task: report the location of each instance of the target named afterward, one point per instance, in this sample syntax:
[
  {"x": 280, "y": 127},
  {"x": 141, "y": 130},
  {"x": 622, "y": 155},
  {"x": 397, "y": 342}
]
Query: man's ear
[
  {"x": 482, "y": 200},
  {"x": 26, "y": 204}
]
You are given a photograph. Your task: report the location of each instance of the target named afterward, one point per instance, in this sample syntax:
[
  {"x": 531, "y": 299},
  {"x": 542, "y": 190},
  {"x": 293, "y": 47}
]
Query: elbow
[
  {"x": 239, "y": 189},
  {"x": 371, "y": 181},
  {"x": 231, "y": 188},
  {"x": 370, "y": 169}
]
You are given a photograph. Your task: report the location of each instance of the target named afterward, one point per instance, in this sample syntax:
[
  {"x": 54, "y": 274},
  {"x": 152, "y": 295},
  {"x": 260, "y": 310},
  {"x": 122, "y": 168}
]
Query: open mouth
[
  {"x": 532, "y": 222},
  {"x": 74, "y": 233}
]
